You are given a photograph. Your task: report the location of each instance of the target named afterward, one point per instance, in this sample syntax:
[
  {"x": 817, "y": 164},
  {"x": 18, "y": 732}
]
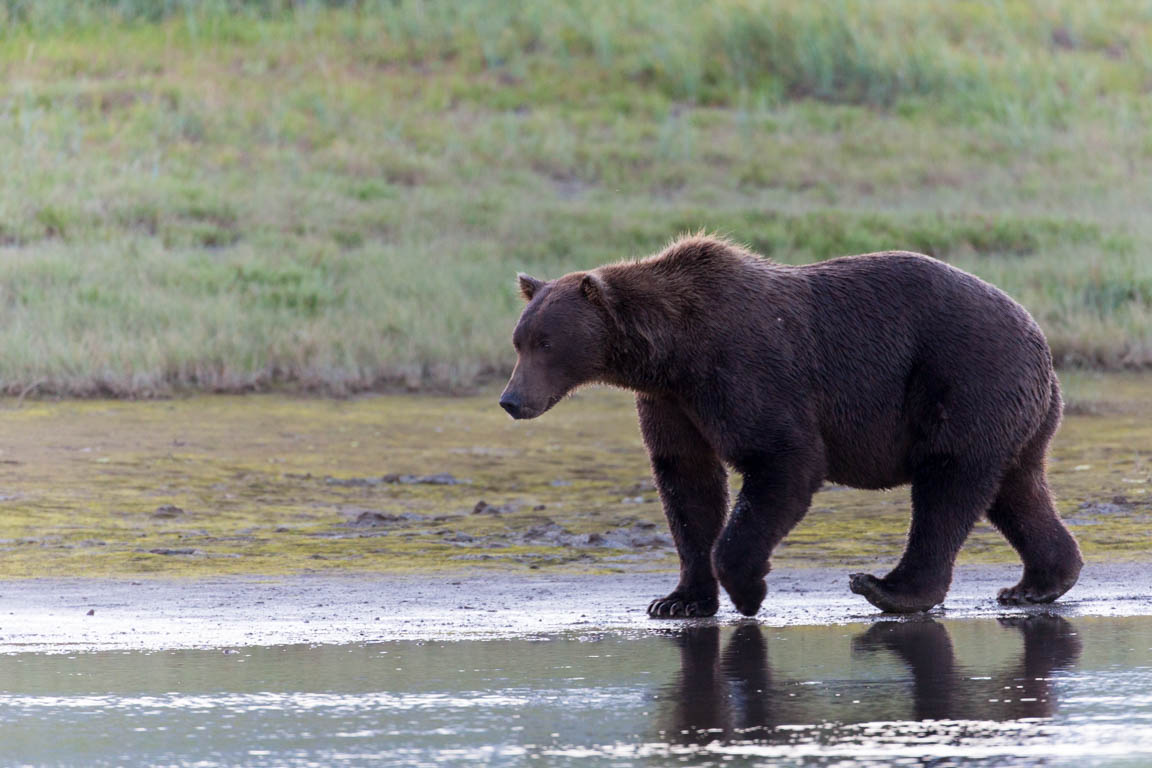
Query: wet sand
[{"x": 52, "y": 615}]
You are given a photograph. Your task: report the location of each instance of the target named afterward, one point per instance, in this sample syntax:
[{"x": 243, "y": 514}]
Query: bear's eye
[{"x": 545, "y": 344}]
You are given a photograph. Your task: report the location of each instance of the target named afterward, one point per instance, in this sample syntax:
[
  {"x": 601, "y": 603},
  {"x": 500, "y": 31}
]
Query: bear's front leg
[
  {"x": 693, "y": 486},
  {"x": 776, "y": 493}
]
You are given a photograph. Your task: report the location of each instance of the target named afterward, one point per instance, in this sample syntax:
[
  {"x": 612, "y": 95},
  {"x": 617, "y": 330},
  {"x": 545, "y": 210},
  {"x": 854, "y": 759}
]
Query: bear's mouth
[
  {"x": 528, "y": 412},
  {"x": 552, "y": 401},
  {"x": 532, "y": 413}
]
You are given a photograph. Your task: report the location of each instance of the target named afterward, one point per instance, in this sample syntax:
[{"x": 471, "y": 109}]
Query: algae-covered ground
[{"x": 269, "y": 484}]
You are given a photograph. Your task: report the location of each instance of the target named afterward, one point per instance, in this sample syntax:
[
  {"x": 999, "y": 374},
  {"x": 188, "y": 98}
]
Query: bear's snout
[{"x": 510, "y": 401}]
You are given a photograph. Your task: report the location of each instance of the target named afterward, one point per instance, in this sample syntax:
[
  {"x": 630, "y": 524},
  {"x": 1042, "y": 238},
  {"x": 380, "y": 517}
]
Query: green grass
[{"x": 231, "y": 195}]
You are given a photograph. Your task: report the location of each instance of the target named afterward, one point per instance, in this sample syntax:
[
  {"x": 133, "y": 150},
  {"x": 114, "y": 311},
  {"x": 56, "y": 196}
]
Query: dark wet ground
[{"x": 1030, "y": 689}]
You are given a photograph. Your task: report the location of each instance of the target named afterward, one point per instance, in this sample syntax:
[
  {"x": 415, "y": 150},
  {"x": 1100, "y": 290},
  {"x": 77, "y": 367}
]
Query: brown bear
[{"x": 870, "y": 371}]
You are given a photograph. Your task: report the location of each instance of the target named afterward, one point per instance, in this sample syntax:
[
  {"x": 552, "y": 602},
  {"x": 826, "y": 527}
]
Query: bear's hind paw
[
  {"x": 1026, "y": 595},
  {"x": 885, "y": 598}
]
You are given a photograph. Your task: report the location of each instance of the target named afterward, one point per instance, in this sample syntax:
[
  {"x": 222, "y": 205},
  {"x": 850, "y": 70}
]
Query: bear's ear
[
  {"x": 594, "y": 289},
  {"x": 528, "y": 285}
]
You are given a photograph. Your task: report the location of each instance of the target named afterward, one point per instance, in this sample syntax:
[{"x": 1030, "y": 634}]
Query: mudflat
[
  {"x": 71, "y": 615},
  {"x": 274, "y": 485}
]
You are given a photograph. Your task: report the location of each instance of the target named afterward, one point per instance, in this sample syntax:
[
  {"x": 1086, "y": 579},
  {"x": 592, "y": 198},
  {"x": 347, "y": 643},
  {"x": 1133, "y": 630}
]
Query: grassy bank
[{"x": 231, "y": 195}]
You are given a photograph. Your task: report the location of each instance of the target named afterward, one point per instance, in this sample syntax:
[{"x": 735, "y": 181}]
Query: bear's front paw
[
  {"x": 683, "y": 605},
  {"x": 748, "y": 596}
]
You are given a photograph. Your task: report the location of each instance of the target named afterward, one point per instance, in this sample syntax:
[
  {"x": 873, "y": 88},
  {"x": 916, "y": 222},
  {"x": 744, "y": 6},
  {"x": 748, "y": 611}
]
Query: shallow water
[{"x": 1016, "y": 691}]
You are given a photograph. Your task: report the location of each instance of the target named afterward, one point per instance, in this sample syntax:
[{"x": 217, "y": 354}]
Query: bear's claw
[
  {"x": 1022, "y": 594},
  {"x": 679, "y": 606},
  {"x": 1040, "y": 587},
  {"x": 885, "y": 598}
]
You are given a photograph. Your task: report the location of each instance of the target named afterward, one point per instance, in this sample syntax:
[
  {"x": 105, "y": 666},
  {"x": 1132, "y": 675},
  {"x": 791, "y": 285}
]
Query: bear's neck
[{"x": 647, "y": 352}]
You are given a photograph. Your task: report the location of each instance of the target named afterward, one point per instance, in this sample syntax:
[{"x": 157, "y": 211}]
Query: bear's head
[{"x": 561, "y": 341}]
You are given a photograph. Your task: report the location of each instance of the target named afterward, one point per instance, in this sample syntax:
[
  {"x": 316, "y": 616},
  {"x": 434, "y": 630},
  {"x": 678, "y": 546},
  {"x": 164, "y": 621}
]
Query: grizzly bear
[{"x": 869, "y": 371}]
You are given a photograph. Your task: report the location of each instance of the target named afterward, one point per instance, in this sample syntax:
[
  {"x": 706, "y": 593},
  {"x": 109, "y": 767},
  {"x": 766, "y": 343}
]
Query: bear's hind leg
[
  {"x": 693, "y": 486},
  {"x": 948, "y": 496},
  {"x": 1024, "y": 513}
]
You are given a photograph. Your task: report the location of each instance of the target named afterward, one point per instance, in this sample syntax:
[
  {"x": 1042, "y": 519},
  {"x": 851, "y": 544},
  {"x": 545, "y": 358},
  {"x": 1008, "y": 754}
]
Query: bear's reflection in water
[{"x": 733, "y": 694}]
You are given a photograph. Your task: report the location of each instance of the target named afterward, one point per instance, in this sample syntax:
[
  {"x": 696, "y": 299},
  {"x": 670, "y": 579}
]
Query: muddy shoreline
[
  {"x": 70, "y": 615},
  {"x": 269, "y": 486}
]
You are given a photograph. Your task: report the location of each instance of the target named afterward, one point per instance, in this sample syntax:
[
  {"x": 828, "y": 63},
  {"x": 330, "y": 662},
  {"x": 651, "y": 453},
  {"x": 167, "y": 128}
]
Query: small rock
[
  {"x": 371, "y": 519},
  {"x": 547, "y": 531},
  {"x": 1076, "y": 522},
  {"x": 484, "y": 508},
  {"x": 352, "y": 482},
  {"x": 441, "y": 478},
  {"x": 640, "y": 534},
  {"x": 91, "y": 612},
  {"x": 1105, "y": 508},
  {"x": 168, "y": 511},
  {"x": 638, "y": 488}
]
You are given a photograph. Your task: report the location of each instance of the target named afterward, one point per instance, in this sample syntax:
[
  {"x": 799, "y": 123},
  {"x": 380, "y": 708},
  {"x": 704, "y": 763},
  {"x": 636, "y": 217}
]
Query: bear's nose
[{"x": 511, "y": 403}]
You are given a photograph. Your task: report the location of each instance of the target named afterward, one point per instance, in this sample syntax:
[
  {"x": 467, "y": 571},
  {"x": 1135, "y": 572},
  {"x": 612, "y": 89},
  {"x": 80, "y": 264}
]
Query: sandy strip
[{"x": 52, "y": 615}]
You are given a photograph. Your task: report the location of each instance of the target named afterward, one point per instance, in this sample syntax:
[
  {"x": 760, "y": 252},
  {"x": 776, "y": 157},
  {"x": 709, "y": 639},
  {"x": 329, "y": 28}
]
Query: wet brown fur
[{"x": 871, "y": 371}]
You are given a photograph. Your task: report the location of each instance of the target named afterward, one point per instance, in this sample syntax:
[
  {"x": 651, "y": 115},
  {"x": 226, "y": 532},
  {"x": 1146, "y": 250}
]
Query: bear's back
[
  {"x": 905, "y": 343},
  {"x": 909, "y": 304}
]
